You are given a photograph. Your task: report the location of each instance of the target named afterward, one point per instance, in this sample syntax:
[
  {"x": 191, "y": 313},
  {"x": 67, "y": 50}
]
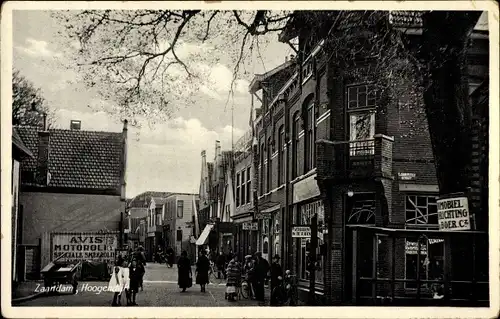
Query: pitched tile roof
[
  {"x": 77, "y": 159},
  {"x": 18, "y": 142}
]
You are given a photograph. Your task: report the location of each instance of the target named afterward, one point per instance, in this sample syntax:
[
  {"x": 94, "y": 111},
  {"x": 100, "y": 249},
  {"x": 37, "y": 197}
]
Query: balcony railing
[{"x": 354, "y": 159}]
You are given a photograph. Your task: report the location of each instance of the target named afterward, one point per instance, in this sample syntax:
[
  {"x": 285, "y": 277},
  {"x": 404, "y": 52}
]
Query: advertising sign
[
  {"x": 411, "y": 248},
  {"x": 453, "y": 214},
  {"x": 301, "y": 232},
  {"x": 77, "y": 247},
  {"x": 250, "y": 226}
]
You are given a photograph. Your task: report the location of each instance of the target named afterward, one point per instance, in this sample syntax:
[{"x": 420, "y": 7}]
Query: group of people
[
  {"x": 127, "y": 277},
  {"x": 185, "y": 275},
  {"x": 255, "y": 270}
]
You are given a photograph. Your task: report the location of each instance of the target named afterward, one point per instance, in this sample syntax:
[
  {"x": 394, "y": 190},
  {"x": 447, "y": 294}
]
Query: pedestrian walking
[
  {"x": 202, "y": 269},
  {"x": 261, "y": 270},
  {"x": 115, "y": 286},
  {"x": 233, "y": 272},
  {"x": 135, "y": 274},
  {"x": 140, "y": 259},
  {"x": 185, "y": 276},
  {"x": 249, "y": 271},
  {"x": 276, "y": 276},
  {"x": 220, "y": 262}
]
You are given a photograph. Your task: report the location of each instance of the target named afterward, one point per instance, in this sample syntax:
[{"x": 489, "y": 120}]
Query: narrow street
[{"x": 160, "y": 290}]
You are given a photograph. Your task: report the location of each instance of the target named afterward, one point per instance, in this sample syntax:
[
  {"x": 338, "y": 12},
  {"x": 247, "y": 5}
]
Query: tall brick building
[{"x": 360, "y": 165}]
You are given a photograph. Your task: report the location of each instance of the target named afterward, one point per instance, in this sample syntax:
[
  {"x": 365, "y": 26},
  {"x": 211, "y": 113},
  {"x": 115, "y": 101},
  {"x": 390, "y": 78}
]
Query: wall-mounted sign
[
  {"x": 404, "y": 176},
  {"x": 250, "y": 226},
  {"x": 453, "y": 214},
  {"x": 301, "y": 232},
  {"x": 411, "y": 248}
]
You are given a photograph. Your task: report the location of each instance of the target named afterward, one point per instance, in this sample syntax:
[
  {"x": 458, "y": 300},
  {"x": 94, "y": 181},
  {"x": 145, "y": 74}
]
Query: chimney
[
  {"x": 217, "y": 149},
  {"x": 75, "y": 125},
  {"x": 43, "y": 176}
]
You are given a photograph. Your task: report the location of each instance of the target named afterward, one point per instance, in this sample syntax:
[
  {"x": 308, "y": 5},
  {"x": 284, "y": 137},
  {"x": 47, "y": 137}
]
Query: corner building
[{"x": 360, "y": 164}]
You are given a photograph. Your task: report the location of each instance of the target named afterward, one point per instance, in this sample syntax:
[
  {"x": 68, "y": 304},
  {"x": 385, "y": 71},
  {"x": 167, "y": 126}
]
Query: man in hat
[
  {"x": 261, "y": 269},
  {"x": 276, "y": 276}
]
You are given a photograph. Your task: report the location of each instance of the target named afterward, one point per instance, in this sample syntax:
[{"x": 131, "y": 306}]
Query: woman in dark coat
[
  {"x": 184, "y": 270},
  {"x": 202, "y": 269},
  {"x": 135, "y": 274}
]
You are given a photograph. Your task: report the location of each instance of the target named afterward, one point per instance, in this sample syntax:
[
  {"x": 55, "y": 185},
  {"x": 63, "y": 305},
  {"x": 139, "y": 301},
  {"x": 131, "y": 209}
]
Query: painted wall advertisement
[
  {"x": 453, "y": 214},
  {"x": 77, "y": 247}
]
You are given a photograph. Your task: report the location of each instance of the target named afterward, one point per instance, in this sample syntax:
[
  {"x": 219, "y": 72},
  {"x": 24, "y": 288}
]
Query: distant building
[
  {"x": 179, "y": 223},
  {"x": 74, "y": 183}
]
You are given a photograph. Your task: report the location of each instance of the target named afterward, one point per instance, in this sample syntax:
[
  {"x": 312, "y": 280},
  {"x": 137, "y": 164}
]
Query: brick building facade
[{"x": 331, "y": 148}]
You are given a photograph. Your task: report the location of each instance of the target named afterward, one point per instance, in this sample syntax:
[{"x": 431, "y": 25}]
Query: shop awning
[{"x": 204, "y": 235}]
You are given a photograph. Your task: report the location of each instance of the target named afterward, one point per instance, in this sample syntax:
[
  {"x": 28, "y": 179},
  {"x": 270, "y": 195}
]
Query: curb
[{"x": 27, "y": 298}]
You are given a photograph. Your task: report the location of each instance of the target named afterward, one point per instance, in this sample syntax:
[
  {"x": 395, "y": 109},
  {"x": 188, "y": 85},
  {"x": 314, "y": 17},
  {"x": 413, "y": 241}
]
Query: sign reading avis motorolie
[
  {"x": 75, "y": 247},
  {"x": 301, "y": 232},
  {"x": 453, "y": 214}
]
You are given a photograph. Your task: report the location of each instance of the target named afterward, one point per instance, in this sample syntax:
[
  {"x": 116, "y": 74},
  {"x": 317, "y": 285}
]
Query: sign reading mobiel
[
  {"x": 301, "y": 232},
  {"x": 453, "y": 214}
]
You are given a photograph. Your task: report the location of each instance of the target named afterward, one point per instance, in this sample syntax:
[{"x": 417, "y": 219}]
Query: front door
[{"x": 359, "y": 210}]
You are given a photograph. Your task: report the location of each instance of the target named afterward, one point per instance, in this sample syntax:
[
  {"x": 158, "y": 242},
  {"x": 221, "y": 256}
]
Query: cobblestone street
[{"x": 160, "y": 290}]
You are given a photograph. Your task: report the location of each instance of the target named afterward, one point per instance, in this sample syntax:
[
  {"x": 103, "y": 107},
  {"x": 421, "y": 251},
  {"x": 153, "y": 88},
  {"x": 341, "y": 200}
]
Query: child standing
[
  {"x": 126, "y": 281},
  {"x": 115, "y": 286}
]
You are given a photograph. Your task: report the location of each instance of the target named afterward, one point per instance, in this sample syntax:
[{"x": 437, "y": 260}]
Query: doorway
[{"x": 359, "y": 209}]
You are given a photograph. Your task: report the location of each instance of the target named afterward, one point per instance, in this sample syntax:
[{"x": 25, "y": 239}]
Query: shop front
[
  {"x": 269, "y": 221},
  {"x": 308, "y": 215}
]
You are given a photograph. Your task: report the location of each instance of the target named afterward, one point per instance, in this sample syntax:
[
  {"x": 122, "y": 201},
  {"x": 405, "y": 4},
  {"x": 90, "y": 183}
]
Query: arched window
[
  {"x": 295, "y": 141},
  {"x": 269, "y": 166},
  {"x": 281, "y": 155},
  {"x": 310, "y": 136}
]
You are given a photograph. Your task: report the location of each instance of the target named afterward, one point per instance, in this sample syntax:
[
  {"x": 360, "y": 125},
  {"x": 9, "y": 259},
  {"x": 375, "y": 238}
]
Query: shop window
[
  {"x": 306, "y": 212},
  {"x": 421, "y": 213}
]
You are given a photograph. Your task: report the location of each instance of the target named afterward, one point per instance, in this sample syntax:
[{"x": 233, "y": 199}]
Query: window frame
[
  {"x": 361, "y": 146},
  {"x": 181, "y": 202},
  {"x": 249, "y": 184},
  {"x": 423, "y": 226},
  {"x": 304, "y": 214},
  {"x": 295, "y": 144},
  {"x": 309, "y": 135},
  {"x": 262, "y": 157},
  {"x": 238, "y": 177},
  {"x": 281, "y": 155},
  {"x": 269, "y": 178},
  {"x": 243, "y": 187}
]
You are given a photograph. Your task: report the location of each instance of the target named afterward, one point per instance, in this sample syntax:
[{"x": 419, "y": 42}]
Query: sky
[{"x": 164, "y": 156}]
